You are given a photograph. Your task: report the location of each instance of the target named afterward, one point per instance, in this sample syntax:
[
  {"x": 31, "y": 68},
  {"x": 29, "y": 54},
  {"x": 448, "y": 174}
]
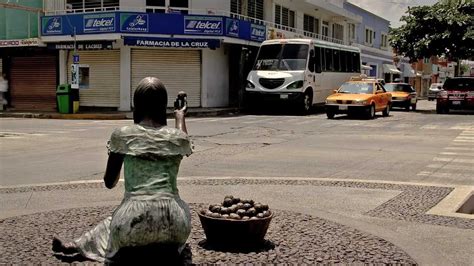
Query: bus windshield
[{"x": 287, "y": 57}]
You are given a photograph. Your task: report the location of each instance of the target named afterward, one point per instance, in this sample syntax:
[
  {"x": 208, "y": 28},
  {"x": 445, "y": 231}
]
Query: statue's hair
[{"x": 150, "y": 100}]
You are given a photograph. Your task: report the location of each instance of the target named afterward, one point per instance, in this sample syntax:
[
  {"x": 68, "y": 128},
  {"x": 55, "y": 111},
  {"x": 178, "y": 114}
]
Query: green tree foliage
[{"x": 443, "y": 29}]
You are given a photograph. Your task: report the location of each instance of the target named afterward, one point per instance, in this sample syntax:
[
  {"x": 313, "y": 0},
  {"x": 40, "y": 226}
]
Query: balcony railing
[{"x": 290, "y": 31}]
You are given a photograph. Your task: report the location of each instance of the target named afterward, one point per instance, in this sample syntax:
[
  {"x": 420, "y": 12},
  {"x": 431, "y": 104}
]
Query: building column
[
  {"x": 125, "y": 73},
  {"x": 63, "y": 66}
]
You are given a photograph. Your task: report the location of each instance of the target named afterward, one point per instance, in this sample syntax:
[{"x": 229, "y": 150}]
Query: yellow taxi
[
  {"x": 403, "y": 95},
  {"x": 364, "y": 96}
]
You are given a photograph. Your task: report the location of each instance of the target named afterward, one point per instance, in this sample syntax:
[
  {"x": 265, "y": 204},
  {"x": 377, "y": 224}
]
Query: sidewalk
[
  {"x": 192, "y": 112},
  {"x": 316, "y": 220}
]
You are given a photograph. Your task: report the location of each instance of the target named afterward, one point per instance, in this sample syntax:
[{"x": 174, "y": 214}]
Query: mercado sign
[
  {"x": 171, "y": 42},
  {"x": 19, "y": 42}
]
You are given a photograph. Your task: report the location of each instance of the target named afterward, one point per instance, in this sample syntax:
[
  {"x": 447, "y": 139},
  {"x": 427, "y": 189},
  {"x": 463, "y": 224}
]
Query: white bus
[{"x": 304, "y": 71}]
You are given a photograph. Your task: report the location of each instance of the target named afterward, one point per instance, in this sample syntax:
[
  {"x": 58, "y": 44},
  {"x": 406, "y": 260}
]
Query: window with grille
[
  {"x": 310, "y": 24},
  {"x": 369, "y": 36},
  {"x": 338, "y": 31},
  {"x": 91, "y": 4},
  {"x": 325, "y": 29},
  {"x": 352, "y": 34},
  {"x": 254, "y": 8},
  {"x": 284, "y": 16},
  {"x": 383, "y": 40}
]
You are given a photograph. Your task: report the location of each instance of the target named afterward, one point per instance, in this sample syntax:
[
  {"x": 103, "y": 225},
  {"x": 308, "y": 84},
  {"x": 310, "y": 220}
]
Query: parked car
[
  {"x": 403, "y": 95},
  {"x": 366, "y": 96},
  {"x": 433, "y": 90},
  {"x": 457, "y": 93}
]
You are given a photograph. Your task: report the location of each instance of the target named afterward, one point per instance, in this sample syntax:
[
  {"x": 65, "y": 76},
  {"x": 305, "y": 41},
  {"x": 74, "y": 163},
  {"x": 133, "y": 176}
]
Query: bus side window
[
  {"x": 317, "y": 61},
  {"x": 356, "y": 62},
  {"x": 329, "y": 62},
  {"x": 337, "y": 64},
  {"x": 350, "y": 65},
  {"x": 311, "y": 61},
  {"x": 343, "y": 61},
  {"x": 323, "y": 59}
]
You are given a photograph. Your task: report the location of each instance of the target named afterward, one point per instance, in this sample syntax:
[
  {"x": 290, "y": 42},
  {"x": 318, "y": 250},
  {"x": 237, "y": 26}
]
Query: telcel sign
[
  {"x": 133, "y": 22},
  {"x": 99, "y": 23},
  {"x": 203, "y": 25},
  {"x": 52, "y": 25}
]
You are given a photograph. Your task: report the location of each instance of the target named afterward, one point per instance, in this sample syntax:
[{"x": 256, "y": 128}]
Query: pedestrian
[
  {"x": 3, "y": 91},
  {"x": 151, "y": 217}
]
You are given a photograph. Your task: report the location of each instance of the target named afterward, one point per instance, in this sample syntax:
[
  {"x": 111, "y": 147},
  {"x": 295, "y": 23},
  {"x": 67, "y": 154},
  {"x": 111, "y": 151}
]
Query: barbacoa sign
[{"x": 172, "y": 43}]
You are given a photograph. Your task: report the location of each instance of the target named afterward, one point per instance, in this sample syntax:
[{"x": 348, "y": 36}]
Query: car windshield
[
  {"x": 398, "y": 87},
  {"x": 357, "y": 88},
  {"x": 459, "y": 84},
  {"x": 282, "y": 57}
]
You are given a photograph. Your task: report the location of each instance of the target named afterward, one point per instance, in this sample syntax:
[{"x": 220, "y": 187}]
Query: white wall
[
  {"x": 133, "y": 5},
  {"x": 215, "y": 78}
]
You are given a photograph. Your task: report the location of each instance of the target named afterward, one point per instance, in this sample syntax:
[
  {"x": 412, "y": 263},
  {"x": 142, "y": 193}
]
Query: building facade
[
  {"x": 204, "y": 47},
  {"x": 371, "y": 36},
  {"x": 30, "y": 68}
]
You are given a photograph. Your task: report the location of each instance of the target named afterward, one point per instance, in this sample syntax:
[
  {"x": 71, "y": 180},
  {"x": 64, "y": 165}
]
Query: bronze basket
[{"x": 235, "y": 233}]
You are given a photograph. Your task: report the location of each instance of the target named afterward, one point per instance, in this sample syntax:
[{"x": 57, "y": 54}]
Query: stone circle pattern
[
  {"x": 410, "y": 205},
  {"x": 297, "y": 238}
]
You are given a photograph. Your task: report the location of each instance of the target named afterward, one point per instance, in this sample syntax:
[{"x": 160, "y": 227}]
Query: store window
[
  {"x": 310, "y": 25},
  {"x": 284, "y": 16}
]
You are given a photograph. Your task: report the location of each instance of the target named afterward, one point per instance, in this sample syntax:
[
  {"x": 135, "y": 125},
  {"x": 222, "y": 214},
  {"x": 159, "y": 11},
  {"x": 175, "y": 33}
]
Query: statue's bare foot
[{"x": 66, "y": 247}]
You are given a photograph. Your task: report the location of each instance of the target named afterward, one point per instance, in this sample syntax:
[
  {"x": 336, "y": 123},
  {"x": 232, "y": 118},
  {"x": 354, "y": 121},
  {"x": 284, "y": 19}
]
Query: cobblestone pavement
[
  {"x": 291, "y": 238},
  {"x": 411, "y": 205}
]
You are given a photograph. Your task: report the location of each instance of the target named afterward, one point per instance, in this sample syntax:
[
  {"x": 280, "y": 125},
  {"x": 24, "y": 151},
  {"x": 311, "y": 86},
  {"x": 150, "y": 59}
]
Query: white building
[{"x": 205, "y": 47}]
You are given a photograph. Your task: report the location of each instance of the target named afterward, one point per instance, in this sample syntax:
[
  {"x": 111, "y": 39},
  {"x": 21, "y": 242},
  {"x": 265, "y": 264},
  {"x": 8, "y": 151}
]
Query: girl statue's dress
[{"x": 151, "y": 211}]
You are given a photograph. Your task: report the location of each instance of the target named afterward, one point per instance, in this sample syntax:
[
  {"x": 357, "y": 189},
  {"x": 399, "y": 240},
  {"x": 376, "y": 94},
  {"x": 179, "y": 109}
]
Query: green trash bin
[{"x": 67, "y": 99}]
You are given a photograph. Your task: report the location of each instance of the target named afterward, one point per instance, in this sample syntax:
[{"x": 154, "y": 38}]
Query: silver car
[{"x": 434, "y": 89}]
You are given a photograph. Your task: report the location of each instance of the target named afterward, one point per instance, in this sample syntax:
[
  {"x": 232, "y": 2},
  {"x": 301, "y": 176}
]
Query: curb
[{"x": 115, "y": 116}]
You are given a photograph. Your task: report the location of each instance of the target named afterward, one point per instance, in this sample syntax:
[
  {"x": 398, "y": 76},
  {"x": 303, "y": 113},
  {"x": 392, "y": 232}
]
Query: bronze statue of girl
[{"x": 151, "y": 213}]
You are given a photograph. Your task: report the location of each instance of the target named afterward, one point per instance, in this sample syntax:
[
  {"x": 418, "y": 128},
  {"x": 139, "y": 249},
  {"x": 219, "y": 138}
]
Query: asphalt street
[{"x": 421, "y": 147}]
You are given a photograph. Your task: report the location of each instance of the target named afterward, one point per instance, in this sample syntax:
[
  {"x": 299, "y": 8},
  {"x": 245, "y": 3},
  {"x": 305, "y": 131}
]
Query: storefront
[
  {"x": 31, "y": 70},
  {"x": 191, "y": 53}
]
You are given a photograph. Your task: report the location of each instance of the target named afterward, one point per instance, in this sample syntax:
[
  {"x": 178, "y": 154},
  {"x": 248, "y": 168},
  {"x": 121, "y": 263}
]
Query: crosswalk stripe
[
  {"x": 441, "y": 174},
  {"x": 464, "y": 137},
  {"x": 459, "y": 148},
  {"x": 451, "y": 167},
  {"x": 454, "y": 160},
  {"x": 457, "y": 154}
]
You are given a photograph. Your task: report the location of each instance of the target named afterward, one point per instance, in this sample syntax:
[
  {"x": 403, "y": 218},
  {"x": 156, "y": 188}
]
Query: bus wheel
[{"x": 307, "y": 102}]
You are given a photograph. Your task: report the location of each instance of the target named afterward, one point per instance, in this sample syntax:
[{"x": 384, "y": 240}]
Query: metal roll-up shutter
[
  {"x": 177, "y": 69},
  {"x": 104, "y": 78},
  {"x": 33, "y": 83}
]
